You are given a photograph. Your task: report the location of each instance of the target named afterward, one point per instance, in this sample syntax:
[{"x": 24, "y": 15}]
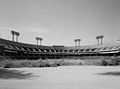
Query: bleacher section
[{"x": 28, "y": 51}]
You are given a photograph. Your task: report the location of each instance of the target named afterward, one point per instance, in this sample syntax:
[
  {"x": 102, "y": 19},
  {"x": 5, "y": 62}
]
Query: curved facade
[{"x": 24, "y": 51}]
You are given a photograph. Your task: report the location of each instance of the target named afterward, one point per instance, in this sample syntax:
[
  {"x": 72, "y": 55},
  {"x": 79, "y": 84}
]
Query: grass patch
[{"x": 15, "y": 63}]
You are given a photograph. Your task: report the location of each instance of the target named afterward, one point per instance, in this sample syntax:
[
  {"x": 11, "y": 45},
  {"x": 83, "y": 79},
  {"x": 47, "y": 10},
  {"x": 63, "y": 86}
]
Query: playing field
[{"x": 63, "y": 77}]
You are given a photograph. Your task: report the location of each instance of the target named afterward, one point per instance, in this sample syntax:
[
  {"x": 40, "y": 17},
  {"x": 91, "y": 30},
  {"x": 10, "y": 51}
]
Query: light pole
[
  {"x": 17, "y": 35},
  {"x": 39, "y": 39},
  {"x": 13, "y": 34},
  {"x": 75, "y": 42},
  {"x": 98, "y": 37},
  {"x": 101, "y": 37},
  {"x": 79, "y": 42}
]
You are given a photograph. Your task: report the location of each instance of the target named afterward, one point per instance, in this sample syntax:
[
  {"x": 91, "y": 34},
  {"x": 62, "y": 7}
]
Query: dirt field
[{"x": 63, "y": 77}]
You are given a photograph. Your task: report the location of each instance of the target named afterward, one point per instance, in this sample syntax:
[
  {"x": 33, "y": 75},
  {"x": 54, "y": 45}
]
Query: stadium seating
[{"x": 22, "y": 50}]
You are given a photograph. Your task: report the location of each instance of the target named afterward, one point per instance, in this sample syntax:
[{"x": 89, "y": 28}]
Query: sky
[{"x": 59, "y": 22}]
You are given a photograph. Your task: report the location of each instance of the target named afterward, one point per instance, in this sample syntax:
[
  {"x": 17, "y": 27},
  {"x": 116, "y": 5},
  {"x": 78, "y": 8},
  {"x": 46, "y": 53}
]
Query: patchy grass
[
  {"x": 16, "y": 63},
  {"x": 8, "y": 63}
]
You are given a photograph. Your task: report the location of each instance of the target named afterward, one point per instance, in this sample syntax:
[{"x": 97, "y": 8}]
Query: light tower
[
  {"x": 98, "y": 37},
  {"x": 39, "y": 39},
  {"x": 15, "y": 34},
  {"x": 77, "y": 42},
  {"x": 101, "y": 37}
]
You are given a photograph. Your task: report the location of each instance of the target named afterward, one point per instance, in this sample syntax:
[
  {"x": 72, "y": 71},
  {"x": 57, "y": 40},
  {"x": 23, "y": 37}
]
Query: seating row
[
  {"x": 28, "y": 48},
  {"x": 53, "y": 50}
]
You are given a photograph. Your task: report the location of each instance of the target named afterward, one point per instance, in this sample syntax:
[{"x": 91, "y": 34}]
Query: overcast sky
[{"x": 59, "y": 22}]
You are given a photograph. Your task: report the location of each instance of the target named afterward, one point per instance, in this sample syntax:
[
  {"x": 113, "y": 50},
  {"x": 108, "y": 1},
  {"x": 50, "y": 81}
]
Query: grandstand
[{"x": 18, "y": 50}]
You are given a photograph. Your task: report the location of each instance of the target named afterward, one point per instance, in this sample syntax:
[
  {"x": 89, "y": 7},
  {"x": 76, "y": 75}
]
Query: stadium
[
  {"x": 17, "y": 50},
  {"x": 59, "y": 44}
]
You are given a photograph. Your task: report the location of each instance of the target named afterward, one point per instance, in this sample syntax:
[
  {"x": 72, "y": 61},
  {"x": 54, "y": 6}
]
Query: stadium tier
[{"x": 28, "y": 51}]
